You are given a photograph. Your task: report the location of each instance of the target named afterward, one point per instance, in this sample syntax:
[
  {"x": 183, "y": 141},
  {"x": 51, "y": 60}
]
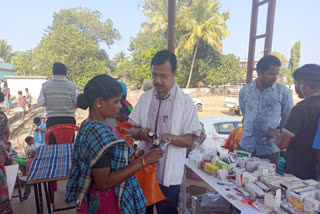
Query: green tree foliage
[
  {"x": 284, "y": 76},
  {"x": 295, "y": 56},
  {"x": 202, "y": 21},
  {"x": 24, "y": 62},
  {"x": 152, "y": 38},
  {"x": 73, "y": 39},
  {"x": 284, "y": 61},
  {"x": 5, "y": 51},
  {"x": 157, "y": 13},
  {"x": 87, "y": 22},
  {"x": 227, "y": 70},
  {"x": 143, "y": 48}
]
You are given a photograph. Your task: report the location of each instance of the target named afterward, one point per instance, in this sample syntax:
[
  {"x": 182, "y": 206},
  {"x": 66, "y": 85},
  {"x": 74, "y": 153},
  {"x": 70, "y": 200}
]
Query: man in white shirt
[{"x": 169, "y": 113}]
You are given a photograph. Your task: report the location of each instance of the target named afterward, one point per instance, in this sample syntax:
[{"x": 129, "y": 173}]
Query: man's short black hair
[
  {"x": 59, "y": 69},
  {"x": 309, "y": 73},
  {"x": 28, "y": 139},
  {"x": 161, "y": 57},
  {"x": 36, "y": 120},
  {"x": 267, "y": 61}
]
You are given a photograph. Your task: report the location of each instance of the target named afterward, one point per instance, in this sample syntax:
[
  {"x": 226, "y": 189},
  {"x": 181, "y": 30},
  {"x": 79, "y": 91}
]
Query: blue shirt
[
  {"x": 39, "y": 136},
  {"x": 261, "y": 111}
]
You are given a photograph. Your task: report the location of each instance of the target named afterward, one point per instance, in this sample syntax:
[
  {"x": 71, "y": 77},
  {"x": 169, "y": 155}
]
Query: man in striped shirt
[{"x": 59, "y": 96}]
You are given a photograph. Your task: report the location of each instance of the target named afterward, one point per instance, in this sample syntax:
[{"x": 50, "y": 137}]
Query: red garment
[
  {"x": 29, "y": 164},
  {"x": 234, "y": 139}
]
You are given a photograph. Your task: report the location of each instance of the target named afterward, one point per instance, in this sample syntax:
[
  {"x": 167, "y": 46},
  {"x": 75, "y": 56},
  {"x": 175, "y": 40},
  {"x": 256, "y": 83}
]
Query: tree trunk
[{"x": 193, "y": 60}]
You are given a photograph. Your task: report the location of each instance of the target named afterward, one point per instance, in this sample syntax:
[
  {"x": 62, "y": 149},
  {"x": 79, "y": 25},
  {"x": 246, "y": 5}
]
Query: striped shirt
[{"x": 59, "y": 96}]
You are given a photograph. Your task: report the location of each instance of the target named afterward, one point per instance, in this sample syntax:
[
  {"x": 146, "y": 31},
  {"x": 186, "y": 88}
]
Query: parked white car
[
  {"x": 218, "y": 129},
  {"x": 199, "y": 104}
]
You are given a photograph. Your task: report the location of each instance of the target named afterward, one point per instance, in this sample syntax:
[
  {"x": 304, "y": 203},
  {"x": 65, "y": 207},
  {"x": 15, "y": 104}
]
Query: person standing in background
[
  {"x": 28, "y": 100},
  {"x": 59, "y": 96},
  {"x": 264, "y": 103},
  {"x": 21, "y": 105}
]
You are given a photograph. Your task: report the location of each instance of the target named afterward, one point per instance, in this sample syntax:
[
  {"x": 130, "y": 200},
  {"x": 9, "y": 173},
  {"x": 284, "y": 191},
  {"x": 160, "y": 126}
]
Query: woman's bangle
[{"x": 143, "y": 163}]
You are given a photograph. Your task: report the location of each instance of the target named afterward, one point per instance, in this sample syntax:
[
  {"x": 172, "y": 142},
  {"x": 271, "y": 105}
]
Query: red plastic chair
[{"x": 63, "y": 133}]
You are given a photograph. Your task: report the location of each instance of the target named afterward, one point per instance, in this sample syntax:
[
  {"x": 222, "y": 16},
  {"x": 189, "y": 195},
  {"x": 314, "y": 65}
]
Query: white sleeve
[
  {"x": 41, "y": 99},
  {"x": 75, "y": 96},
  {"x": 191, "y": 122},
  {"x": 134, "y": 116}
]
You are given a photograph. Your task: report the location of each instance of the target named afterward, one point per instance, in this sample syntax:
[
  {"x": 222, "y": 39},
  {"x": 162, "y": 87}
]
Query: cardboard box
[
  {"x": 262, "y": 186},
  {"x": 297, "y": 203},
  {"x": 311, "y": 205},
  {"x": 248, "y": 178},
  {"x": 311, "y": 182},
  {"x": 294, "y": 185},
  {"x": 273, "y": 199},
  {"x": 268, "y": 179},
  {"x": 304, "y": 193},
  {"x": 239, "y": 179},
  {"x": 254, "y": 190},
  {"x": 221, "y": 164},
  {"x": 211, "y": 168}
]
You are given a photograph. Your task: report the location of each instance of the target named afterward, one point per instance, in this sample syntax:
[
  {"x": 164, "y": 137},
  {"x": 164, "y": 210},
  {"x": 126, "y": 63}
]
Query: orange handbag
[{"x": 149, "y": 185}]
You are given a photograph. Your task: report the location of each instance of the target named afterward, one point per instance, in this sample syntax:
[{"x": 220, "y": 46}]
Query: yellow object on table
[
  {"x": 221, "y": 164},
  {"x": 297, "y": 203},
  {"x": 211, "y": 168}
]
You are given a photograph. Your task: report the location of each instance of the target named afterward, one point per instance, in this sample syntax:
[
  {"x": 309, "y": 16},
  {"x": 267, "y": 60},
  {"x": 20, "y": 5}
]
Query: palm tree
[
  {"x": 157, "y": 13},
  {"x": 5, "y": 51},
  {"x": 202, "y": 21},
  {"x": 120, "y": 57}
]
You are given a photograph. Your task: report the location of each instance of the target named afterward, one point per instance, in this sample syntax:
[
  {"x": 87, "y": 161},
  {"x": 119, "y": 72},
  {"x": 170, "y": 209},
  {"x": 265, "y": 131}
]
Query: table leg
[
  {"x": 184, "y": 195},
  {"x": 36, "y": 194},
  {"x": 19, "y": 188},
  {"x": 40, "y": 198},
  {"x": 48, "y": 198},
  {"x": 51, "y": 196}
]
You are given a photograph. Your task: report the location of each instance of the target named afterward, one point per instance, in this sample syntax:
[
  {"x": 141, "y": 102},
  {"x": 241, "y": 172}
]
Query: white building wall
[{"x": 19, "y": 83}]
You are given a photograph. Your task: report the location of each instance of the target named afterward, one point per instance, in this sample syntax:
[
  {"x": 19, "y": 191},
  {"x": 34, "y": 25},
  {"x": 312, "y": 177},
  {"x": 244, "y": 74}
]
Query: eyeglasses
[{"x": 161, "y": 76}]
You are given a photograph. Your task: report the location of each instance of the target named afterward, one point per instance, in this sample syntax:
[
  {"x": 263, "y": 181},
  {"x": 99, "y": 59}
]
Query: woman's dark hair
[
  {"x": 161, "y": 57},
  {"x": 99, "y": 86},
  {"x": 20, "y": 92},
  {"x": 28, "y": 139},
  {"x": 266, "y": 61}
]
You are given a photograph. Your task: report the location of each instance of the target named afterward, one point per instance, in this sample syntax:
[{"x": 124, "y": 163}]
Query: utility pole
[
  {"x": 171, "y": 37},
  {"x": 253, "y": 33}
]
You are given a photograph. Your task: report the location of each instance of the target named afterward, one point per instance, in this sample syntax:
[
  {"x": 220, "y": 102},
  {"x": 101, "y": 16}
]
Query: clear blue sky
[{"x": 23, "y": 24}]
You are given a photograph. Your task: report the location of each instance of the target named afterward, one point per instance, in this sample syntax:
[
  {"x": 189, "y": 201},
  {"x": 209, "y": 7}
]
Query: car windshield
[{"x": 226, "y": 128}]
